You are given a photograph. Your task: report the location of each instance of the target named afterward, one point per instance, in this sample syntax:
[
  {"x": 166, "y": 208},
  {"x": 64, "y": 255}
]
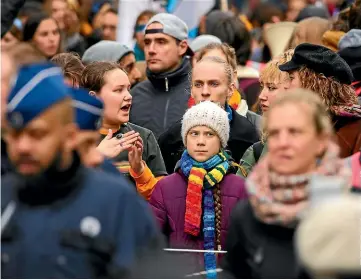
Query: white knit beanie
[{"x": 207, "y": 114}]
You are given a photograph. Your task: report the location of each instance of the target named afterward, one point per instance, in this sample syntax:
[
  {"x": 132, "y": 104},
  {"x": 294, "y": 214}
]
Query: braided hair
[{"x": 218, "y": 214}]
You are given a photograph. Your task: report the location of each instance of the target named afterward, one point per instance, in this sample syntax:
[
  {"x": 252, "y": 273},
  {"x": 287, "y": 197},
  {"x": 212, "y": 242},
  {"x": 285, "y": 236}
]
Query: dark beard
[{"x": 44, "y": 175}]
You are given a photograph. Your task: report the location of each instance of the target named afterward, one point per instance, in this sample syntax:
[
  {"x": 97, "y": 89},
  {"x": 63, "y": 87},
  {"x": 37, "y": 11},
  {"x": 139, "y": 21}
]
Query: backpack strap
[{"x": 257, "y": 150}]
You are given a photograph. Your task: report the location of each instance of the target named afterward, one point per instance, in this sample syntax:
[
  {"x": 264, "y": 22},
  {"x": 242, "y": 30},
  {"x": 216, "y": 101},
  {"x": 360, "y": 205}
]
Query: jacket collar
[
  {"x": 237, "y": 130},
  {"x": 167, "y": 80},
  {"x": 53, "y": 188}
]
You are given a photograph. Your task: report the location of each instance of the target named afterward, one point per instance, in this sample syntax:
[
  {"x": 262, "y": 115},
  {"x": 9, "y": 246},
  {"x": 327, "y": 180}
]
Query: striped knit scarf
[{"x": 203, "y": 176}]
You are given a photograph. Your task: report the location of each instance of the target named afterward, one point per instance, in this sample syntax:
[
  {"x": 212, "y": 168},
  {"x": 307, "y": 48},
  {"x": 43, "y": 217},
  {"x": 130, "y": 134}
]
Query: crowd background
[{"x": 238, "y": 123}]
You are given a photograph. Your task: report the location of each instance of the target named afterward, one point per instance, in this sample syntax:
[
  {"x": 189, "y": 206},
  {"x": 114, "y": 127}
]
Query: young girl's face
[{"x": 202, "y": 143}]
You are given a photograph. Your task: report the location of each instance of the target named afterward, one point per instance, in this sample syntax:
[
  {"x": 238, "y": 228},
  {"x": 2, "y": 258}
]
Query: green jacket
[{"x": 248, "y": 160}]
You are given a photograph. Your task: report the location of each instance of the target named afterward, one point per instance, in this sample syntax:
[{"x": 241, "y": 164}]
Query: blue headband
[
  {"x": 37, "y": 88},
  {"x": 88, "y": 109}
]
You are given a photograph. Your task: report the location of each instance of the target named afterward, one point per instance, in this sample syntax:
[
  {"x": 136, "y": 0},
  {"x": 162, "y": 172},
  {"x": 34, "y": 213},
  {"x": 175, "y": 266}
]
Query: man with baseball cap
[
  {"x": 162, "y": 99},
  {"x": 114, "y": 52}
]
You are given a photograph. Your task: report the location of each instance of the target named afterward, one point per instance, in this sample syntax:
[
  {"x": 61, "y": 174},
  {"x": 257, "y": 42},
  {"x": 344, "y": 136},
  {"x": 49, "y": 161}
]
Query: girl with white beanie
[{"x": 192, "y": 206}]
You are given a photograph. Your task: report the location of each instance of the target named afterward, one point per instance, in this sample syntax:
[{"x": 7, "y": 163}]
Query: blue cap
[
  {"x": 89, "y": 109},
  {"x": 36, "y": 89}
]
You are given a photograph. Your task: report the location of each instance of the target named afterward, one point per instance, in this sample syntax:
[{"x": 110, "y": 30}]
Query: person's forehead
[
  {"x": 208, "y": 71},
  {"x": 116, "y": 77},
  {"x": 127, "y": 59},
  {"x": 217, "y": 53}
]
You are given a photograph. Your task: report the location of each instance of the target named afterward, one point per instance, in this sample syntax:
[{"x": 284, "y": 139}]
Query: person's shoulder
[
  {"x": 173, "y": 132},
  {"x": 141, "y": 86},
  {"x": 101, "y": 182},
  {"x": 172, "y": 182}
]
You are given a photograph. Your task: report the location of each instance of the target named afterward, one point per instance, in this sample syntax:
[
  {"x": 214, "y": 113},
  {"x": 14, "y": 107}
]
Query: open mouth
[{"x": 125, "y": 108}]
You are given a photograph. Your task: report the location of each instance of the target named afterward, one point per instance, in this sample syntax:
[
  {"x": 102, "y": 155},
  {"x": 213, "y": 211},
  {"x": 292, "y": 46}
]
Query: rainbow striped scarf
[{"x": 203, "y": 176}]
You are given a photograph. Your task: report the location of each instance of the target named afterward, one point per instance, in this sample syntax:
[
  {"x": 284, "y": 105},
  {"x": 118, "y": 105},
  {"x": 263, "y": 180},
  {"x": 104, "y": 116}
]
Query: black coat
[
  {"x": 9, "y": 10},
  {"x": 162, "y": 99},
  {"x": 256, "y": 250},
  {"x": 242, "y": 135}
]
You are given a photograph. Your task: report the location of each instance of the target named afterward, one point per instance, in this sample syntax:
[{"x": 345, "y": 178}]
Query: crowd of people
[{"x": 234, "y": 154}]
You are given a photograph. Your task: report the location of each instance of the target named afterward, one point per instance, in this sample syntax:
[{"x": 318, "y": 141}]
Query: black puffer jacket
[
  {"x": 162, "y": 100},
  {"x": 257, "y": 251}
]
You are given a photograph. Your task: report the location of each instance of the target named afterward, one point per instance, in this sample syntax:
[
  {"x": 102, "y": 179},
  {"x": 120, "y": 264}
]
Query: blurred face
[
  {"x": 139, "y": 33},
  {"x": 162, "y": 52},
  {"x": 128, "y": 64},
  {"x": 58, "y": 8},
  {"x": 7, "y": 71},
  {"x": 202, "y": 143},
  {"x": 116, "y": 97},
  {"x": 109, "y": 26},
  {"x": 293, "y": 143},
  {"x": 47, "y": 37},
  {"x": 271, "y": 90},
  {"x": 295, "y": 81},
  {"x": 210, "y": 82},
  {"x": 71, "y": 19},
  {"x": 87, "y": 142},
  {"x": 34, "y": 148},
  {"x": 8, "y": 41},
  {"x": 294, "y": 8}
]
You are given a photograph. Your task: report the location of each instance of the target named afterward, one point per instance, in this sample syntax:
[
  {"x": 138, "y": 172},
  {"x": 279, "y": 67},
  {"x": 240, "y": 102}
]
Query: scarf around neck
[
  {"x": 281, "y": 200},
  {"x": 348, "y": 111},
  {"x": 202, "y": 178}
]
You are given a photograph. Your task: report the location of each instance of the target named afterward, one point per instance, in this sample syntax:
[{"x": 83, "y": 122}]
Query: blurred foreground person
[
  {"x": 88, "y": 111},
  {"x": 301, "y": 157},
  {"x": 202, "y": 192},
  {"x": 21, "y": 54},
  {"x": 328, "y": 239},
  {"x": 323, "y": 71},
  {"x": 354, "y": 163},
  {"x": 133, "y": 148},
  {"x": 59, "y": 218}
]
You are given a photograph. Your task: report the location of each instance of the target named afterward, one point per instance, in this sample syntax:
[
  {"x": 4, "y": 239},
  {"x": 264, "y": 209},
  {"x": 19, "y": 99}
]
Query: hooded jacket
[{"x": 161, "y": 100}]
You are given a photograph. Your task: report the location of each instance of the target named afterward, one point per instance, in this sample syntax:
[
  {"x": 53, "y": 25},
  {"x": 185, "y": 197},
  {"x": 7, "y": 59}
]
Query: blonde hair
[
  {"x": 320, "y": 116},
  {"x": 271, "y": 73}
]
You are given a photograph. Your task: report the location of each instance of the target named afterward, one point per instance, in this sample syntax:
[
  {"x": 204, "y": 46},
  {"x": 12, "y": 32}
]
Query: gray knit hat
[
  {"x": 202, "y": 41},
  {"x": 105, "y": 51},
  {"x": 207, "y": 114}
]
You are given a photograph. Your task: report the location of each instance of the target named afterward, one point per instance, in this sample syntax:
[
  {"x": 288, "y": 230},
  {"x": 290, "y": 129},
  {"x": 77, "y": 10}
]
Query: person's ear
[
  {"x": 92, "y": 93},
  {"x": 322, "y": 143},
  {"x": 230, "y": 91},
  {"x": 71, "y": 135},
  {"x": 182, "y": 47}
]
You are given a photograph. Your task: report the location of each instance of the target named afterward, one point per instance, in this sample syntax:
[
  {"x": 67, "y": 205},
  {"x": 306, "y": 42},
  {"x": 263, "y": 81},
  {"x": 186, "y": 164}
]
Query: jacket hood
[
  {"x": 168, "y": 79},
  {"x": 351, "y": 39}
]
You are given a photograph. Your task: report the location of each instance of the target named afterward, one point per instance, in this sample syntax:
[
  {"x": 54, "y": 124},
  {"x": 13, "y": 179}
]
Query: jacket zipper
[
  {"x": 165, "y": 114},
  {"x": 166, "y": 84}
]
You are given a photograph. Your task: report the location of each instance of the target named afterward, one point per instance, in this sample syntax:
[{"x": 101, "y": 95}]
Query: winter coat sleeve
[
  {"x": 154, "y": 158},
  {"x": 157, "y": 204},
  {"x": 234, "y": 262},
  {"x": 9, "y": 11},
  {"x": 145, "y": 182},
  {"x": 247, "y": 162}
]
